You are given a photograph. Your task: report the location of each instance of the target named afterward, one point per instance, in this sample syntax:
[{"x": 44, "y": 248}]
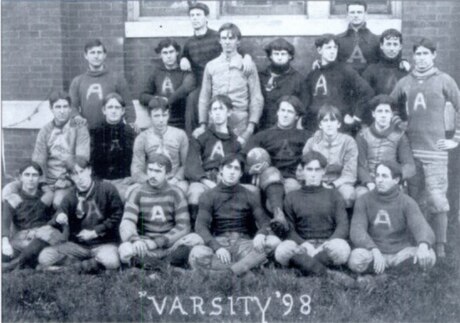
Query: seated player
[
  {"x": 206, "y": 152},
  {"x": 319, "y": 224},
  {"x": 92, "y": 212},
  {"x": 25, "y": 229},
  {"x": 229, "y": 216},
  {"x": 340, "y": 151},
  {"x": 382, "y": 141},
  {"x": 169, "y": 81},
  {"x": 57, "y": 142},
  {"x": 164, "y": 139},
  {"x": 155, "y": 218},
  {"x": 112, "y": 145},
  {"x": 283, "y": 143},
  {"x": 388, "y": 229}
]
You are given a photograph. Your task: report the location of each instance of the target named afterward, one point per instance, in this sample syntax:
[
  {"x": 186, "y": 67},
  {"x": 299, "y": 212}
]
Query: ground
[{"x": 281, "y": 295}]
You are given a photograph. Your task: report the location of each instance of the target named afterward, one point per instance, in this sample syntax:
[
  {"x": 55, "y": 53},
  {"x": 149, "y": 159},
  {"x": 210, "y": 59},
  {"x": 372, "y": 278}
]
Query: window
[
  {"x": 151, "y": 8},
  {"x": 339, "y": 7},
  {"x": 262, "y": 7}
]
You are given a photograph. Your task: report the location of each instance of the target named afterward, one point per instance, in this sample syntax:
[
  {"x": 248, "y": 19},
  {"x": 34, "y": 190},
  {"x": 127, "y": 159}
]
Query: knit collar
[
  {"x": 425, "y": 74},
  {"x": 26, "y": 196},
  {"x": 328, "y": 66},
  {"x": 159, "y": 188},
  {"x": 221, "y": 135},
  {"x": 226, "y": 188},
  {"x": 312, "y": 189},
  {"x": 97, "y": 73},
  {"x": 279, "y": 69},
  {"x": 392, "y": 62},
  {"x": 359, "y": 29},
  {"x": 390, "y": 195},
  {"x": 381, "y": 134}
]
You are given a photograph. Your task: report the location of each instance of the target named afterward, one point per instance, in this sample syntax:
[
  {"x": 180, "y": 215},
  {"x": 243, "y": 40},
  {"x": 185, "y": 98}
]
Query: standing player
[{"x": 424, "y": 93}]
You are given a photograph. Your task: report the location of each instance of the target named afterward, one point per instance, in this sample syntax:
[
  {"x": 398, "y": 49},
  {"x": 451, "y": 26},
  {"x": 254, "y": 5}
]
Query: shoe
[
  {"x": 341, "y": 279},
  {"x": 179, "y": 257},
  {"x": 369, "y": 283},
  {"x": 149, "y": 263}
]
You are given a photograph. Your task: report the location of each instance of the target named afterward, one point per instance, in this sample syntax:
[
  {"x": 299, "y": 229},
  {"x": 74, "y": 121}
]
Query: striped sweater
[{"x": 160, "y": 214}]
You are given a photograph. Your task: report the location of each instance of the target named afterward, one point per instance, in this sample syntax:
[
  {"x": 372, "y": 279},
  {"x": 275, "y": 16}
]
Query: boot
[
  {"x": 179, "y": 257},
  {"x": 307, "y": 265}
]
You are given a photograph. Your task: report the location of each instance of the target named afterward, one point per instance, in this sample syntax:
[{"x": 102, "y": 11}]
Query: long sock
[
  {"x": 323, "y": 258},
  {"x": 275, "y": 195},
  {"x": 308, "y": 265},
  {"x": 29, "y": 256},
  {"x": 251, "y": 260},
  {"x": 440, "y": 227}
]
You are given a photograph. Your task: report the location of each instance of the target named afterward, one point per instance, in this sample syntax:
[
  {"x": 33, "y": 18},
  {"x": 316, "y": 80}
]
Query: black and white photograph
[{"x": 230, "y": 160}]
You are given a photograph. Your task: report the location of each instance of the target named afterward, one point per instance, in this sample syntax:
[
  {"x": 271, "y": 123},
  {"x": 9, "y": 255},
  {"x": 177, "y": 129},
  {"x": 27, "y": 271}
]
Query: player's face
[
  {"x": 159, "y": 119},
  {"x": 328, "y": 52},
  {"x": 113, "y": 111},
  {"x": 287, "y": 116},
  {"x": 329, "y": 125},
  {"x": 280, "y": 57},
  {"x": 198, "y": 19},
  {"x": 382, "y": 115},
  {"x": 29, "y": 179},
  {"x": 228, "y": 41},
  {"x": 82, "y": 178},
  {"x": 384, "y": 181},
  {"x": 423, "y": 57},
  {"x": 231, "y": 173},
  {"x": 219, "y": 113},
  {"x": 169, "y": 56},
  {"x": 95, "y": 57},
  {"x": 391, "y": 47},
  {"x": 313, "y": 173},
  {"x": 356, "y": 15},
  {"x": 156, "y": 174},
  {"x": 61, "y": 111}
]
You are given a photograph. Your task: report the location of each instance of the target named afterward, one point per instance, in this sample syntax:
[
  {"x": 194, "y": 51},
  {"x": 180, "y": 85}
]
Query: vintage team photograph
[{"x": 230, "y": 161}]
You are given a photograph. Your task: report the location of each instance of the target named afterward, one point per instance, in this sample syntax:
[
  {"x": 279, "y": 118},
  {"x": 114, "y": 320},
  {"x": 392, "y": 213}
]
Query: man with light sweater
[{"x": 388, "y": 228}]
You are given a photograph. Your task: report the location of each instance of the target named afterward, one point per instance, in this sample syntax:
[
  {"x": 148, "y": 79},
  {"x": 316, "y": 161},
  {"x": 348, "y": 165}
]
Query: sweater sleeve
[
  {"x": 128, "y": 225},
  {"x": 204, "y": 221},
  {"x": 350, "y": 164},
  {"x": 405, "y": 158},
  {"x": 256, "y": 100},
  {"x": 40, "y": 154},
  {"x": 368, "y": 76},
  {"x": 82, "y": 142},
  {"x": 149, "y": 90},
  {"x": 291, "y": 217},
  {"x": 417, "y": 223},
  {"x": 74, "y": 96},
  {"x": 359, "y": 235},
  {"x": 452, "y": 94},
  {"x": 399, "y": 96},
  {"x": 262, "y": 219},
  {"x": 123, "y": 90},
  {"x": 183, "y": 151},
  {"x": 342, "y": 225},
  {"x": 364, "y": 175},
  {"x": 308, "y": 146},
  {"x": 7, "y": 219},
  {"x": 187, "y": 86},
  {"x": 115, "y": 210},
  {"x": 194, "y": 167},
  {"x": 362, "y": 94},
  {"x": 138, "y": 164},
  {"x": 205, "y": 96}
]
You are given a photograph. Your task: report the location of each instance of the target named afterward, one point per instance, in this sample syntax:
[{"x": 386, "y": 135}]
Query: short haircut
[
  {"x": 382, "y": 99},
  {"x": 234, "y": 30},
  {"x": 230, "y": 158},
  {"x": 393, "y": 166},
  {"x": 158, "y": 102},
  {"x": 223, "y": 99},
  {"x": 279, "y": 44},
  {"x": 94, "y": 43},
  {"x": 391, "y": 33},
  {"x": 424, "y": 42},
  {"x": 31, "y": 163},
  {"x": 199, "y": 5},
  {"x": 329, "y": 109},
  {"x": 165, "y": 43},
  {"x": 160, "y": 159},
  {"x": 294, "y": 101},
  {"x": 325, "y": 39},
  {"x": 357, "y": 3},
  {"x": 58, "y": 95},
  {"x": 79, "y": 161},
  {"x": 311, "y": 156},
  {"x": 115, "y": 96}
]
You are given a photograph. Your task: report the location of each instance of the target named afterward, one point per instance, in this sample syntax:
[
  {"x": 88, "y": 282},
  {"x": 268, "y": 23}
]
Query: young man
[
  {"x": 340, "y": 151},
  {"x": 92, "y": 212},
  {"x": 89, "y": 89},
  {"x": 424, "y": 93},
  {"x": 112, "y": 145},
  {"x": 283, "y": 143},
  {"x": 160, "y": 138},
  {"x": 225, "y": 75},
  {"x": 318, "y": 224},
  {"x": 25, "y": 229},
  {"x": 228, "y": 218},
  {"x": 358, "y": 46},
  {"x": 169, "y": 81},
  {"x": 206, "y": 152},
  {"x": 155, "y": 218},
  {"x": 388, "y": 228},
  {"x": 382, "y": 141},
  {"x": 278, "y": 79},
  {"x": 57, "y": 142},
  {"x": 335, "y": 83}
]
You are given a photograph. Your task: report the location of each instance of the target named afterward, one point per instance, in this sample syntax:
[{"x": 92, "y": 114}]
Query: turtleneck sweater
[
  {"x": 388, "y": 221},
  {"x": 316, "y": 212}
]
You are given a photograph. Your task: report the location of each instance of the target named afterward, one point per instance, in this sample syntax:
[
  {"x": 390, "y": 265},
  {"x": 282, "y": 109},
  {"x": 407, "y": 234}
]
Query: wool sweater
[
  {"x": 88, "y": 91},
  {"x": 316, "y": 212},
  {"x": 229, "y": 209},
  {"x": 157, "y": 213},
  {"x": 388, "y": 221},
  {"x": 57, "y": 144},
  {"x": 424, "y": 96},
  {"x": 112, "y": 150},
  {"x": 375, "y": 146},
  {"x": 206, "y": 152}
]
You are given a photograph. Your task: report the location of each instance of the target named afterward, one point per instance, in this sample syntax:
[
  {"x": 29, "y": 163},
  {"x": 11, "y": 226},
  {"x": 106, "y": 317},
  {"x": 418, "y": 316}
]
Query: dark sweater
[
  {"x": 112, "y": 150},
  {"x": 316, "y": 212},
  {"x": 388, "y": 221},
  {"x": 229, "y": 209},
  {"x": 103, "y": 213}
]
